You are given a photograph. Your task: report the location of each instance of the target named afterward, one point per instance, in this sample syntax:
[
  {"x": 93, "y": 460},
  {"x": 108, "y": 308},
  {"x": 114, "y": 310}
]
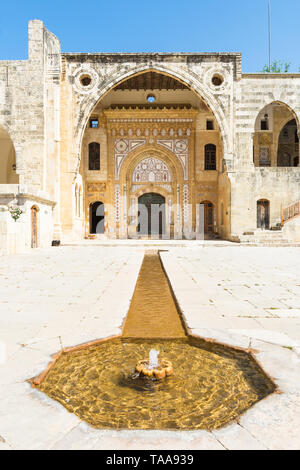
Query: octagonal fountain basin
[{"x": 211, "y": 384}]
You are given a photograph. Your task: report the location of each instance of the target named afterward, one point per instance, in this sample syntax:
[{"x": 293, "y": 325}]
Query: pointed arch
[{"x": 189, "y": 79}]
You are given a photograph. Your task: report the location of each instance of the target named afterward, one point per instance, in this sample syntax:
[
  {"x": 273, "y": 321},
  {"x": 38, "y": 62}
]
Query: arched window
[
  {"x": 210, "y": 157},
  {"x": 94, "y": 156}
]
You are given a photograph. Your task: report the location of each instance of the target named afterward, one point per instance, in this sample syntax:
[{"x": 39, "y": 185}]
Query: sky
[{"x": 159, "y": 26}]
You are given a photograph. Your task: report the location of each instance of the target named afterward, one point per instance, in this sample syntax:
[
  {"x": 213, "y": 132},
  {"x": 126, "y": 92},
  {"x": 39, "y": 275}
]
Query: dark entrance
[
  {"x": 97, "y": 218},
  {"x": 152, "y": 215},
  {"x": 208, "y": 216},
  {"x": 263, "y": 214}
]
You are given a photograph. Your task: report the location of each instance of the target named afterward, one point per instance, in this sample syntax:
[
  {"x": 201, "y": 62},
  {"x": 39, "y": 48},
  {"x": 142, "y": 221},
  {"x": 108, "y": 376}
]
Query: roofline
[
  {"x": 270, "y": 75},
  {"x": 151, "y": 54}
]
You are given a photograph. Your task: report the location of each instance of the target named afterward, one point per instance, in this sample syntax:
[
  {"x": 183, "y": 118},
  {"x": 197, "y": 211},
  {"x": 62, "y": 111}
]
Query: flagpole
[{"x": 269, "y": 23}]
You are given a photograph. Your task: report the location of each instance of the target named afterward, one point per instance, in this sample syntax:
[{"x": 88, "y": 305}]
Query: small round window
[
  {"x": 151, "y": 99},
  {"x": 217, "y": 80},
  {"x": 85, "y": 80}
]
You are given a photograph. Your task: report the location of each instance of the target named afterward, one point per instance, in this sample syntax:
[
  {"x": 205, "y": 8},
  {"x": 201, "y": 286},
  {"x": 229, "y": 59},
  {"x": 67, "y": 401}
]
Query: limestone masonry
[{"x": 91, "y": 145}]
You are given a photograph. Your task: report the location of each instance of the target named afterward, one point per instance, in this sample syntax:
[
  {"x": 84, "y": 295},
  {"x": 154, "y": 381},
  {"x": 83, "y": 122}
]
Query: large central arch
[
  {"x": 189, "y": 79},
  {"x": 130, "y": 128}
]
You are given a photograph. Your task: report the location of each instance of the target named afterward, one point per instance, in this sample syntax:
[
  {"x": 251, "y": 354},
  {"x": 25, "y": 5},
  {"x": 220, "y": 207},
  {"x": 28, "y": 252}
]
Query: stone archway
[
  {"x": 164, "y": 133},
  {"x": 152, "y": 215},
  {"x": 276, "y": 139},
  {"x": 192, "y": 82},
  {"x": 151, "y": 170},
  {"x": 8, "y": 166}
]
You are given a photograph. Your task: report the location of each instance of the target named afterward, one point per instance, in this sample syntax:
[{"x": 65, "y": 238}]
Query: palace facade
[{"x": 150, "y": 144}]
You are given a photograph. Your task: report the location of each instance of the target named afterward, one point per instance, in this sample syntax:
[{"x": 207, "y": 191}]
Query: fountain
[
  {"x": 154, "y": 369},
  {"x": 213, "y": 385}
]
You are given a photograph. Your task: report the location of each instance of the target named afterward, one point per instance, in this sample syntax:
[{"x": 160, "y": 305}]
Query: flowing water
[
  {"x": 207, "y": 390},
  {"x": 211, "y": 384},
  {"x": 152, "y": 312}
]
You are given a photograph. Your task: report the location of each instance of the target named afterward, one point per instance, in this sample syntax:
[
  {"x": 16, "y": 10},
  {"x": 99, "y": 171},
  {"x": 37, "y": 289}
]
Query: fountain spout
[
  {"x": 153, "y": 368},
  {"x": 153, "y": 359}
]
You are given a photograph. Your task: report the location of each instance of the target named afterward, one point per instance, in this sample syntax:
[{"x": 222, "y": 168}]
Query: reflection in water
[
  {"x": 211, "y": 384},
  {"x": 153, "y": 313},
  {"x": 207, "y": 390}
]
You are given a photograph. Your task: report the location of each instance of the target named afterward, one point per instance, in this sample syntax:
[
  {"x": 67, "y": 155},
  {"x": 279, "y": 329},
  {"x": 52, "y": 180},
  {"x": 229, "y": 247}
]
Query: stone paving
[{"x": 58, "y": 297}]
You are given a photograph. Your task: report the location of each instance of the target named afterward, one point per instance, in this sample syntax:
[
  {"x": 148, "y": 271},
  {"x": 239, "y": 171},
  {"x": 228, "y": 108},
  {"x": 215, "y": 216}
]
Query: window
[
  {"x": 94, "y": 156},
  {"x": 209, "y": 125},
  {"x": 210, "y": 157},
  {"x": 151, "y": 99},
  {"x": 94, "y": 123},
  {"x": 217, "y": 79},
  {"x": 85, "y": 80}
]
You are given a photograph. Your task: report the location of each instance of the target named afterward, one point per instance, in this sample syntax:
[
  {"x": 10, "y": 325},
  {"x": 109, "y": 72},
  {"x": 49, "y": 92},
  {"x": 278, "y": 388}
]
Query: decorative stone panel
[
  {"x": 151, "y": 170},
  {"x": 180, "y": 148}
]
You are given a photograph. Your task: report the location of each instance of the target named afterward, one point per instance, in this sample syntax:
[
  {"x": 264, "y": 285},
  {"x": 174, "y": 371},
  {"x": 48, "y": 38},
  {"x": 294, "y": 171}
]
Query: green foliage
[
  {"x": 277, "y": 66},
  {"x": 15, "y": 212}
]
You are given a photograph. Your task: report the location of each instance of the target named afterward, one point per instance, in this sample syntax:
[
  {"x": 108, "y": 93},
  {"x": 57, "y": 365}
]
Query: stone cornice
[
  {"x": 148, "y": 115},
  {"x": 34, "y": 198},
  {"x": 157, "y": 56},
  {"x": 27, "y": 196}
]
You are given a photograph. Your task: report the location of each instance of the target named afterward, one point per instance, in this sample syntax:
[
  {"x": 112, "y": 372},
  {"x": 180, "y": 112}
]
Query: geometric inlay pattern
[
  {"x": 122, "y": 149},
  {"x": 181, "y": 149},
  {"x": 151, "y": 170}
]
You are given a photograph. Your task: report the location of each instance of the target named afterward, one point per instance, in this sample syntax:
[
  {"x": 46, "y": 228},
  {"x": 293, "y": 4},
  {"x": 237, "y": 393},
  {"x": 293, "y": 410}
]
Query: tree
[{"x": 277, "y": 66}]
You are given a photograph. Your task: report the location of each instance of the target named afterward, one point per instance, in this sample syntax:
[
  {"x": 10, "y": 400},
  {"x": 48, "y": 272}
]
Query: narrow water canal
[{"x": 153, "y": 312}]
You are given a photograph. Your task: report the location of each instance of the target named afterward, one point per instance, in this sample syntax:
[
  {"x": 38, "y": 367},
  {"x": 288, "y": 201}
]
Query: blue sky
[{"x": 159, "y": 26}]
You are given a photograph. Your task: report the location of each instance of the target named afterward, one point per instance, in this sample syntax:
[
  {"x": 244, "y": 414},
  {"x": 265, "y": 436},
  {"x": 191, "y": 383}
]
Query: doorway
[
  {"x": 152, "y": 215},
  {"x": 97, "y": 218},
  {"x": 208, "y": 216},
  {"x": 34, "y": 227},
  {"x": 263, "y": 214}
]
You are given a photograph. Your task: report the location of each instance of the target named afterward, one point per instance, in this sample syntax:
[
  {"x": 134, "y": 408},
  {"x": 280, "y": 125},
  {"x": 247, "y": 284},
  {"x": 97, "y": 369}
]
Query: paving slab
[{"x": 240, "y": 296}]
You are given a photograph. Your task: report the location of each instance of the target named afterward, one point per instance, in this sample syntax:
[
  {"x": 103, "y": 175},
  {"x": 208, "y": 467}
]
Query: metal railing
[{"x": 290, "y": 212}]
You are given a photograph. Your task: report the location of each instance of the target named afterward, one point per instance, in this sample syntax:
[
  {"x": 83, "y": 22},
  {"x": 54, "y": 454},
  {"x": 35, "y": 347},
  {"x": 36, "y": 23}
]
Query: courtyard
[{"x": 54, "y": 298}]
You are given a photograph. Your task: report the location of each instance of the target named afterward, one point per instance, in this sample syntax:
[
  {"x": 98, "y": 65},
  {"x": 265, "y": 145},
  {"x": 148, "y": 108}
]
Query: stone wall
[
  {"x": 45, "y": 108},
  {"x": 29, "y": 112}
]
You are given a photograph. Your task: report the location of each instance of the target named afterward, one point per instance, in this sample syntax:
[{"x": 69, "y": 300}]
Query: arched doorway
[
  {"x": 97, "y": 218},
  {"x": 207, "y": 209},
  {"x": 34, "y": 227},
  {"x": 263, "y": 214},
  {"x": 152, "y": 215}
]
